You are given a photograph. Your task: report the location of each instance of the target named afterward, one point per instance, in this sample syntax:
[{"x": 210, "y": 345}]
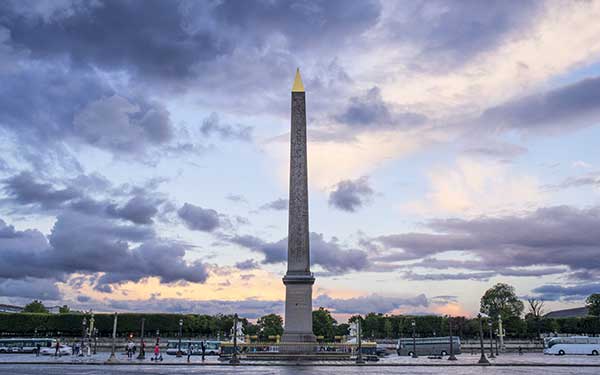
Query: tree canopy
[
  {"x": 501, "y": 300},
  {"x": 593, "y": 304},
  {"x": 35, "y": 306},
  {"x": 270, "y": 325}
]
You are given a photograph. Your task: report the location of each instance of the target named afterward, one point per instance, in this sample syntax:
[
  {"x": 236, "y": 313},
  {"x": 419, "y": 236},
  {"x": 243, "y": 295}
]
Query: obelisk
[{"x": 298, "y": 280}]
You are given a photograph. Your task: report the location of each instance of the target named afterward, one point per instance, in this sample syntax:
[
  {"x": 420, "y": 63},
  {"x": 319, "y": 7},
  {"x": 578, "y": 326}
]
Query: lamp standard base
[
  {"x": 452, "y": 358},
  {"x": 112, "y": 359},
  {"x": 483, "y": 360}
]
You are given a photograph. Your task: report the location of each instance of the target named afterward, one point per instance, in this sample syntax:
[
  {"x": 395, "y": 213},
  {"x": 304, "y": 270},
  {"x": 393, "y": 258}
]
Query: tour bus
[
  {"x": 572, "y": 345},
  {"x": 24, "y": 345},
  {"x": 211, "y": 347},
  {"x": 428, "y": 346}
]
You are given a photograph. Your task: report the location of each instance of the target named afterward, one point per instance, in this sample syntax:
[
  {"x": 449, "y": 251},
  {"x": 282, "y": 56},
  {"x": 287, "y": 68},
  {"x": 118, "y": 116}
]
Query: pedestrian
[
  {"x": 156, "y": 352},
  {"x": 189, "y": 353},
  {"x": 57, "y": 352},
  {"x": 130, "y": 350},
  {"x": 37, "y": 349},
  {"x": 203, "y": 349},
  {"x": 520, "y": 350}
]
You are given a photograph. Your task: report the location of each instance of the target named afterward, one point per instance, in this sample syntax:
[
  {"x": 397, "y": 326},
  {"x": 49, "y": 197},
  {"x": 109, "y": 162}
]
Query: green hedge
[
  {"x": 374, "y": 325},
  {"x": 26, "y": 324}
]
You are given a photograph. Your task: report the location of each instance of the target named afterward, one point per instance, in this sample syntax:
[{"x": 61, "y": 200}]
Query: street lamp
[
  {"x": 179, "y": 346},
  {"x": 83, "y": 325},
  {"x": 95, "y": 340},
  {"x": 234, "y": 357},
  {"x": 491, "y": 339},
  {"x": 142, "y": 354},
  {"x": 501, "y": 333},
  {"x": 90, "y": 332},
  {"x": 113, "y": 357},
  {"x": 414, "y": 325},
  {"x": 452, "y": 356},
  {"x": 359, "y": 358},
  {"x": 482, "y": 359}
]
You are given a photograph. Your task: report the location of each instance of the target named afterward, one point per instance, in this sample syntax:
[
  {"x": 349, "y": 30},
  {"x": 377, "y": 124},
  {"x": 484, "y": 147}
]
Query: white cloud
[{"x": 477, "y": 187}]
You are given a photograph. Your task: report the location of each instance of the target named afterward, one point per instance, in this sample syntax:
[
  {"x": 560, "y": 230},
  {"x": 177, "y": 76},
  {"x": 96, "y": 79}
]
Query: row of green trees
[
  {"x": 498, "y": 301},
  {"x": 374, "y": 325}
]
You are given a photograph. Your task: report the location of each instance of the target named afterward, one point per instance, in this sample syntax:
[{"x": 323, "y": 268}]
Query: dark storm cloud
[
  {"x": 351, "y": 195},
  {"x": 33, "y": 288},
  {"x": 553, "y": 236},
  {"x": 252, "y": 308},
  {"x": 26, "y": 190},
  {"x": 450, "y": 33},
  {"x": 212, "y": 125},
  {"x": 279, "y": 204},
  {"x": 559, "y": 292},
  {"x": 371, "y": 112},
  {"x": 562, "y": 109},
  {"x": 167, "y": 40},
  {"x": 248, "y": 264},
  {"x": 43, "y": 107},
  {"x": 198, "y": 218},
  {"x": 151, "y": 37},
  {"x": 328, "y": 254},
  {"x": 370, "y": 303},
  {"x": 87, "y": 244}
]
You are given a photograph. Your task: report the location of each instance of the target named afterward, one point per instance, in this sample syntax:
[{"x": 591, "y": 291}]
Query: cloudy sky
[{"x": 452, "y": 145}]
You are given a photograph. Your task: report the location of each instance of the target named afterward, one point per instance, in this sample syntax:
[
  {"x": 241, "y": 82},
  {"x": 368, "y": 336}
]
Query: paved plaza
[{"x": 533, "y": 363}]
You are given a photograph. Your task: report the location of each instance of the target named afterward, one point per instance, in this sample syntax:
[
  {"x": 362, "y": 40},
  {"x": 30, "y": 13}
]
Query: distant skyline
[{"x": 145, "y": 152}]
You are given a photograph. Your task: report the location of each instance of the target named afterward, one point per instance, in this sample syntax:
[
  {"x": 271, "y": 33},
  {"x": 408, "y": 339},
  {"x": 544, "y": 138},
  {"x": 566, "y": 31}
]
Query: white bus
[
  {"x": 572, "y": 345},
  {"x": 211, "y": 347},
  {"x": 428, "y": 345},
  {"x": 24, "y": 345}
]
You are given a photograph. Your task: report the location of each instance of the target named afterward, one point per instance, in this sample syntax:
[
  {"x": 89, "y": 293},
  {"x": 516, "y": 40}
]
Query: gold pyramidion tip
[{"x": 298, "y": 86}]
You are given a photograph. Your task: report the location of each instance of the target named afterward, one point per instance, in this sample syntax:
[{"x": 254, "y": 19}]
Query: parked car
[{"x": 64, "y": 350}]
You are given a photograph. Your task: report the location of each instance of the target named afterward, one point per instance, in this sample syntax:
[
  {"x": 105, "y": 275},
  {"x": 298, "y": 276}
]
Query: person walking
[
  {"x": 129, "y": 349},
  {"x": 37, "y": 349},
  {"x": 203, "y": 349},
  {"x": 156, "y": 352},
  {"x": 189, "y": 352},
  {"x": 57, "y": 352}
]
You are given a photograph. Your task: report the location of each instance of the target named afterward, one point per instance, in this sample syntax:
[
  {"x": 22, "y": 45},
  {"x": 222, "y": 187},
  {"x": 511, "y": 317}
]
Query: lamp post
[
  {"x": 234, "y": 357},
  {"x": 142, "y": 354},
  {"x": 482, "y": 359},
  {"x": 491, "y": 339},
  {"x": 496, "y": 342},
  {"x": 83, "y": 330},
  {"x": 452, "y": 356},
  {"x": 359, "y": 358},
  {"x": 501, "y": 333},
  {"x": 179, "y": 345},
  {"x": 113, "y": 357},
  {"x": 95, "y": 340},
  {"x": 90, "y": 333},
  {"x": 414, "y": 326}
]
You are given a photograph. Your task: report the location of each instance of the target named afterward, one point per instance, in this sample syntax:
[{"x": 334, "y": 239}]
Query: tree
[
  {"x": 593, "y": 304},
  {"x": 501, "y": 300},
  {"x": 536, "y": 307},
  {"x": 270, "y": 325},
  {"x": 536, "y": 310},
  {"x": 35, "y": 306},
  {"x": 64, "y": 309},
  {"x": 323, "y": 323}
]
